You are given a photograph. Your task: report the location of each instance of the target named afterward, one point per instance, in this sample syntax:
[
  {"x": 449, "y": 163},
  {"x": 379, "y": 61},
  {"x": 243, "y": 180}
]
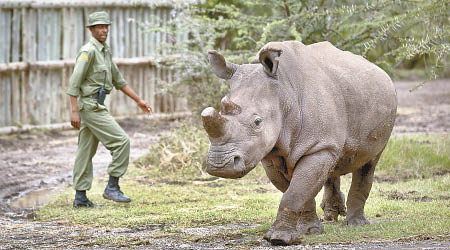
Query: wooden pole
[
  {"x": 8, "y": 4},
  {"x": 66, "y": 125},
  {"x": 59, "y": 64}
]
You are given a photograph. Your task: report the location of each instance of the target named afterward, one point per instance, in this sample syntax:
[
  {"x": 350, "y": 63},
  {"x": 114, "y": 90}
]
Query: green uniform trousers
[{"x": 97, "y": 124}]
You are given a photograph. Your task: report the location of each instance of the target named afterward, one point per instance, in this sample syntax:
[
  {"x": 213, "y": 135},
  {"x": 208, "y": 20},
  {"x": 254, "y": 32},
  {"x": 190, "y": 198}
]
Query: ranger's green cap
[{"x": 100, "y": 17}]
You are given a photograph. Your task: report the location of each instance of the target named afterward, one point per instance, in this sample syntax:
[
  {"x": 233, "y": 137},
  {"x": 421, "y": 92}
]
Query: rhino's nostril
[{"x": 237, "y": 159}]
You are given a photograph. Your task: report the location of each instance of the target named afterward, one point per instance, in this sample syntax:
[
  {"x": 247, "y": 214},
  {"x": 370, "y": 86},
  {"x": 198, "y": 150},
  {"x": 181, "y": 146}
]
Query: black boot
[
  {"x": 112, "y": 191},
  {"x": 81, "y": 200}
]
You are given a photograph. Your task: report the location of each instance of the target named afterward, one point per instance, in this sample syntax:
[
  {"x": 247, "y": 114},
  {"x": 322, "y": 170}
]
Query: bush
[{"x": 183, "y": 151}]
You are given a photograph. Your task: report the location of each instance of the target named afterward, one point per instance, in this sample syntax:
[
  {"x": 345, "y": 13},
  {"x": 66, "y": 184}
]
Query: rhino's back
[
  {"x": 369, "y": 99},
  {"x": 367, "y": 90},
  {"x": 346, "y": 68},
  {"x": 326, "y": 52},
  {"x": 340, "y": 73}
]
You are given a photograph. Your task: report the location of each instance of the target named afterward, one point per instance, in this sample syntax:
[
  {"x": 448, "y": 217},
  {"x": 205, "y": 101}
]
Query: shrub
[{"x": 182, "y": 151}]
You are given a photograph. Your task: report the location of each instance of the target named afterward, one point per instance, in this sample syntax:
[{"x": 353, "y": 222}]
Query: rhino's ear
[
  {"x": 220, "y": 67},
  {"x": 269, "y": 59}
]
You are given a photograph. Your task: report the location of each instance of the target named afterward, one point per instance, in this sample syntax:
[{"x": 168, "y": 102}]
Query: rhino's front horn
[{"x": 213, "y": 122}]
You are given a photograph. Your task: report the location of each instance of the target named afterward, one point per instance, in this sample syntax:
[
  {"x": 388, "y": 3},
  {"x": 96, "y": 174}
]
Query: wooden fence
[{"x": 41, "y": 39}]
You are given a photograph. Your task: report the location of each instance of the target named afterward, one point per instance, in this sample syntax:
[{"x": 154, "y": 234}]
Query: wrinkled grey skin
[{"x": 310, "y": 114}]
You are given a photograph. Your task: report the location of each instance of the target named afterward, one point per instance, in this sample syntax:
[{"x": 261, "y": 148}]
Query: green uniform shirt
[{"x": 88, "y": 75}]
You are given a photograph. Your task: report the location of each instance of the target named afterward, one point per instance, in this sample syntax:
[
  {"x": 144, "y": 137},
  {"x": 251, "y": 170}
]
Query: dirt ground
[
  {"x": 34, "y": 166},
  {"x": 426, "y": 110}
]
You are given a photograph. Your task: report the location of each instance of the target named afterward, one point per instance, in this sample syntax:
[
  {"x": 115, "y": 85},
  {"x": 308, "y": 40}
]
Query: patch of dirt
[
  {"x": 43, "y": 160},
  {"x": 413, "y": 196},
  {"x": 425, "y": 110}
]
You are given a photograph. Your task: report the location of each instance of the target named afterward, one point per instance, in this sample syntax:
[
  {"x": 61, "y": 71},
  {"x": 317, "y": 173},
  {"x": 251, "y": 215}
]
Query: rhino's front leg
[
  {"x": 272, "y": 166},
  {"x": 333, "y": 203},
  {"x": 309, "y": 175},
  {"x": 308, "y": 222}
]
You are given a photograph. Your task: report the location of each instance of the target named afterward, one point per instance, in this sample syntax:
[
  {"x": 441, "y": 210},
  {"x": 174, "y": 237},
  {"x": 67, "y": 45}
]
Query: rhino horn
[
  {"x": 269, "y": 59},
  {"x": 229, "y": 107},
  {"x": 213, "y": 122},
  {"x": 220, "y": 67}
]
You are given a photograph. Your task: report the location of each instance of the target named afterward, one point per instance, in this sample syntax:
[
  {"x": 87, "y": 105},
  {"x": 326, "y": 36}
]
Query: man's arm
[
  {"x": 141, "y": 103},
  {"x": 75, "y": 120},
  {"x": 82, "y": 64}
]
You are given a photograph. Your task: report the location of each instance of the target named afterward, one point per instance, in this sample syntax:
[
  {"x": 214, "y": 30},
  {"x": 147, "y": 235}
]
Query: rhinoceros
[{"x": 309, "y": 114}]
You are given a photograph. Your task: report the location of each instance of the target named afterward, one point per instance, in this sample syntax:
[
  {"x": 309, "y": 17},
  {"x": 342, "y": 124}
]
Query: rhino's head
[{"x": 249, "y": 122}]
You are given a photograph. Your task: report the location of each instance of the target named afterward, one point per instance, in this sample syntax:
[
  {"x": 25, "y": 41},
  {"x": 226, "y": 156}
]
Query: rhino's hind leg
[
  {"x": 308, "y": 222},
  {"x": 362, "y": 180},
  {"x": 333, "y": 202}
]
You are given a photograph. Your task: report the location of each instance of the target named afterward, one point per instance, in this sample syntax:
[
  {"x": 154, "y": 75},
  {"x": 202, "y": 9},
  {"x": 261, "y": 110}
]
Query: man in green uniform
[{"x": 94, "y": 70}]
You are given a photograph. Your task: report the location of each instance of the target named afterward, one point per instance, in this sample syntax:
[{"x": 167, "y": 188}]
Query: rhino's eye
[{"x": 258, "y": 121}]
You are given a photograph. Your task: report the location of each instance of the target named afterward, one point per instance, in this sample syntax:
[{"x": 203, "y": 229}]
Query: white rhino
[{"x": 310, "y": 114}]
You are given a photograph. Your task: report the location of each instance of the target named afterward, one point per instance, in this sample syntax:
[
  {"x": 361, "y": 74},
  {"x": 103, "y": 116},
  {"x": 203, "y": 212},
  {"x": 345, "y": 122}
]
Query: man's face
[{"x": 100, "y": 32}]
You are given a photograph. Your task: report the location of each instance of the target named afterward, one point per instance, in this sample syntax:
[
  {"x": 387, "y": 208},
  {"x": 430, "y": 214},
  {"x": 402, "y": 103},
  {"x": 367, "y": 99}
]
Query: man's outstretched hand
[
  {"x": 141, "y": 103},
  {"x": 145, "y": 107}
]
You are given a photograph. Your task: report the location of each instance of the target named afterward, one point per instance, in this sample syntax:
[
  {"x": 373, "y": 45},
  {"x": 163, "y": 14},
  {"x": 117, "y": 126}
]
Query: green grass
[
  {"x": 186, "y": 203},
  {"x": 175, "y": 193},
  {"x": 415, "y": 156}
]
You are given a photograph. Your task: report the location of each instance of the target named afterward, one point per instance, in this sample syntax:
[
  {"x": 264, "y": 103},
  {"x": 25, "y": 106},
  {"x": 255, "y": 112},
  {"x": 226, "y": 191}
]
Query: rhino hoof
[
  {"x": 355, "y": 221},
  {"x": 312, "y": 230},
  {"x": 334, "y": 207},
  {"x": 283, "y": 238},
  {"x": 332, "y": 214},
  {"x": 310, "y": 227}
]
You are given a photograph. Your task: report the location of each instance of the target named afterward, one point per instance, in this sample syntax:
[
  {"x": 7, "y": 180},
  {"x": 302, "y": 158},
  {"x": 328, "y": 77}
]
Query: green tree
[{"x": 391, "y": 33}]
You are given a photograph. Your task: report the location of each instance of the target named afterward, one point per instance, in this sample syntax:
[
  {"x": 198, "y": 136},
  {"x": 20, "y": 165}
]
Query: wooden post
[
  {"x": 152, "y": 80},
  {"x": 140, "y": 36},
  {"x": 132, "y": 24},
  {"x": 67, "y": 33},
  {"x": 158, "y": 34},
  {"x": 114, "y": 33},
  {"x": 5, "y": 81},
  {"x": 121, "y": 35}
]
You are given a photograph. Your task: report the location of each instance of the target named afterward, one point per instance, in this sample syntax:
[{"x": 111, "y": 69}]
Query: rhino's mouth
[
  {"x": 215, "y": 161},
  {"x": 232, "y": 167},
  {"x": 220, "y": 157}
]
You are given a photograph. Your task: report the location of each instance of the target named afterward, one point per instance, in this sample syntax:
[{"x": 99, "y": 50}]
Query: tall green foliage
[
  {"x": 391, "y": 33},
  {"x": 191, "y": 37}
]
